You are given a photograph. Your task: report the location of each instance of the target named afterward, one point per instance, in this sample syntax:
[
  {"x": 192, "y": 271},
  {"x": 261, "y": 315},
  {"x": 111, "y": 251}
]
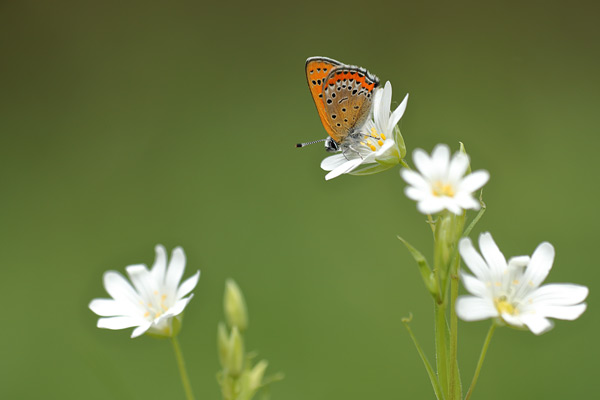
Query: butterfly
[{"x": 343, "y": 96}]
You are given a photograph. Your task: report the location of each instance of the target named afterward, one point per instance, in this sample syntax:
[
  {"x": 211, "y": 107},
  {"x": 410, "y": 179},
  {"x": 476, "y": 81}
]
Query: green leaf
[{"x": 426, "y": 273}]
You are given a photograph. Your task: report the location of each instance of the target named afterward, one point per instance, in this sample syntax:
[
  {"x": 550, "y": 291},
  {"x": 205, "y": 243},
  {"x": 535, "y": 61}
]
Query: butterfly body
[{"x": 343, "y": 96}]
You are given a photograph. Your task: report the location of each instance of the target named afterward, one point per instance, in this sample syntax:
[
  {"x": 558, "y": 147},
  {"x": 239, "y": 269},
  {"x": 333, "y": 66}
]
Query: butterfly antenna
[{"x": 313, "y": 142}]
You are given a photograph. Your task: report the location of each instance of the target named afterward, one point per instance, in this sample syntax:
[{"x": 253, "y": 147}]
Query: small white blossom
[
  {"x": 511, "y": 291},
  {"x": 379, "y": 145},
  {"x": 154, "y": 300},
  {"x": 440, "y": 183}
]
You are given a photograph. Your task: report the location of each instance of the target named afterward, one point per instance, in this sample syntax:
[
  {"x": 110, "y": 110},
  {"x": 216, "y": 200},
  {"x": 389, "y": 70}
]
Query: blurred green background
[{"x": 127, "y": 124}]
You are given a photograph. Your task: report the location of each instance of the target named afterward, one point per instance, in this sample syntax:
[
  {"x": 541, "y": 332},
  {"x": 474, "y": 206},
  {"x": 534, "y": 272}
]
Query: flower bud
[
  {"x": 256, "y": 375},
  {"x": 235, "y": 353},
  {"x": 222, "y": 343},
  {"x": 235, "y": 306},
  {"x": 464, "y": 151}
]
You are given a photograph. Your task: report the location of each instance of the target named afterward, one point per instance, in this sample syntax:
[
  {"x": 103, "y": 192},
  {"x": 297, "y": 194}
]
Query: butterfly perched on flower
[{"x": 343, "y": 95}]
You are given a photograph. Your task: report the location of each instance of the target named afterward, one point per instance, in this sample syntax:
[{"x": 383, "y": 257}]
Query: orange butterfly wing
[{"x": 317, "y": 69}]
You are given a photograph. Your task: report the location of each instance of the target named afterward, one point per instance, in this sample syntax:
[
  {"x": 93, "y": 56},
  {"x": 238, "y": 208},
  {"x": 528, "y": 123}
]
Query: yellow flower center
[
  {"x": 440, "y": 189},
  {"x": 504, "y": 307},
  {"x": 152, "y": 310},
  {"x": 373, "y": 140}
]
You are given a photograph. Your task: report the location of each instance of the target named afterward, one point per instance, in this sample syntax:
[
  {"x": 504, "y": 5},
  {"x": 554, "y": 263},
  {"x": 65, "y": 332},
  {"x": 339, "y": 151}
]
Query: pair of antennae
[{"x": 313, "y": 142}]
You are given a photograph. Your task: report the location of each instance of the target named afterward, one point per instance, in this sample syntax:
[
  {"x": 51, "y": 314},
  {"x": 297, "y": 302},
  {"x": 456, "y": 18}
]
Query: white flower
[
  {"x": 440, "y": 184},
  {"x": 155, "y": 299},
  {"x": 511, "y": 291},
  {"x": 379, "y": 145}
]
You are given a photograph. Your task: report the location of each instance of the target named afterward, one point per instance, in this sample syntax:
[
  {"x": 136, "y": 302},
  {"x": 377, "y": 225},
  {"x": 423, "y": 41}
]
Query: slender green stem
[
  {"x": 432, "y": 377},
  {"x": 455, "y": 384},
  {"x": 182, "y": 371},
  {"x": 441, "y": 346},
  {"x": 477, "y": 217},
  {"x": 431, "y": 223},
  {"x": 481, "y": 358},
  {"x": 404, "y": 164}
]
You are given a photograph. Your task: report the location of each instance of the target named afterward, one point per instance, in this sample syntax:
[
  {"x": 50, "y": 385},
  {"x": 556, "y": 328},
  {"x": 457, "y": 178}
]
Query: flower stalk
[
  {"x": 185, "y": 380},
  {"x": 484, "y": 349}
]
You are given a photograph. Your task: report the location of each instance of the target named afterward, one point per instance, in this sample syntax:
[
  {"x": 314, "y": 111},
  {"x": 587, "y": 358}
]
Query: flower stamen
[
  {"x": 504, "y": 307},
  {"x": 440, "y": 189}
]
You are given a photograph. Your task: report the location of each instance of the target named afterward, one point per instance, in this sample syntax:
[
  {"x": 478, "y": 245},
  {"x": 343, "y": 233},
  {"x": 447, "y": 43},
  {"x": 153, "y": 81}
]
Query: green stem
[
  {"x": 431, "y": 223},
  {"x": 455, "y": 384},
  {"x": 481, "y": 358},
  {"x": 182, "y": 371},
  {"x": 441, "y": 346},
  {"x": 432, "y": 377},
  {"x": 477, "y": 217}
]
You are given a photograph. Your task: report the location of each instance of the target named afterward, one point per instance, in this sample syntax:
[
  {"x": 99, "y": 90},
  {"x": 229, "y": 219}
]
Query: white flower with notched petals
[
  {"x": 440, "y": 183},
  {"x": 378, "y": 147},
  {"x": 511, "y": 291},
  {"x": 154, "y": 300}
]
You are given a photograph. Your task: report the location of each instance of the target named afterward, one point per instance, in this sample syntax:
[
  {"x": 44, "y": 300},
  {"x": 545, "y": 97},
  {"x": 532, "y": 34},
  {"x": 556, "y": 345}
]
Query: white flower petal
[
  {"x": 415, "y": 179},
  {"x": 559, "y": 294},
  {"x": 518, "y": 262},
  {"x": 474, "y": 181},
  {"x": 140, "y": 330},
  {"x": 470, "y": 308},
  {"x": 450, "y": 205},
  {"x": 537, "y": 324},
  {"x": 109, "y": 308},
  {"x": 492, "y": 255},
  {"x": 466, "y": 201},
  {"x": 343, "y": 169},
  {"x": 474, "y": 285},
  {"x": 415, "y": 194},
  {"x": 458, "y": 167},
  {"x": 562, "y": 312},
  {"x": 332, "y": 162},
  {"x": 430, "y": 205},
  {"x": 513, "y": 320},
  {"x": 379, "y": 110},
  {"x": 387, "y": 146},
  {"x": 423, "y": 163},
  {"x": 118, "y": 322},
  {"x": 160, "y": 265},
  {"x": 175, "y": 271},
  {"x": 142, "y": 280},
  {"x": 397, "y": 114},
  {"x": 180, "y": 306},
  {"x": 441, "y": 159},
  {"x": 188, "y": 285},
  {"x": 473, "y": 260},
  {"x": 382, "y": 113},
  {"x": 119, "y": 289},
  {"x": 540, "y": 264}
]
